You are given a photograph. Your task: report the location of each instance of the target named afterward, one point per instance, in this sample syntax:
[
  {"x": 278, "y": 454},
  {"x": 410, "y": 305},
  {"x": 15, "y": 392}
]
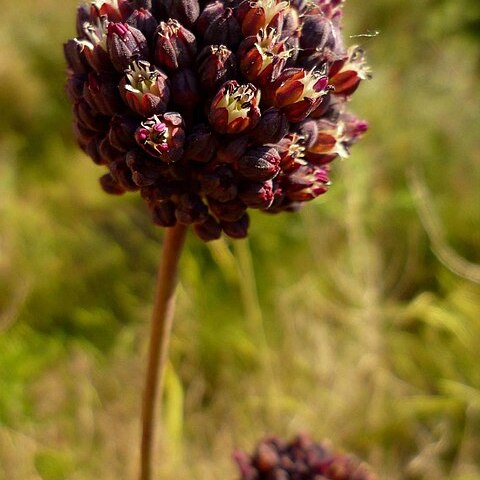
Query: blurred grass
[{"x": 360, "y": 334}]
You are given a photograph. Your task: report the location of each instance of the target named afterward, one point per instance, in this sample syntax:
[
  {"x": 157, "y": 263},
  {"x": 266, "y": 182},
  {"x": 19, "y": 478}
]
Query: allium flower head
[
  {"x": 212, "y": 108},
  {"x": 300, "y": 459}
]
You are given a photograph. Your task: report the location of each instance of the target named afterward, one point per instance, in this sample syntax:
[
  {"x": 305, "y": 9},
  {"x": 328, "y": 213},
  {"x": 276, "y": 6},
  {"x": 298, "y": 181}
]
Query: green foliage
[{"x": 339, "y": 320}]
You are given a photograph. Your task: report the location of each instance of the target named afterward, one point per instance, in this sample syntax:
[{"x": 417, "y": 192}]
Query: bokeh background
[{"x": 357, "y": 320}]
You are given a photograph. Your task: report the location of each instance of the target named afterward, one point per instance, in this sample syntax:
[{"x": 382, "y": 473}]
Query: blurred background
[{"x": 357, "y": 320}]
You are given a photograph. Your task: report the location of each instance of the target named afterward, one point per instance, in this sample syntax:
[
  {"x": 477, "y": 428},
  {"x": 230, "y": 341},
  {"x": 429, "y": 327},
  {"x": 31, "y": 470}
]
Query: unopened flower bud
[
  {"x": 257, "y": 195},
  {"x": 163, "y": 214},
  {"x": 185, "y": 90},
  {"x": 223, "y": 29},
  {"x": 216, "y": 65},
  {"x": 272, "y": 127},
  {"x": 75, "y": 56},
  {"x": 210, "y": 13},
  {"x": 74, "y": 87},
  {"x": 145, "y": 89},
  {"x": 89, "y": 118},
  {"x": 200, "y": 145},
  {"x": 219, "y": 184},
  {"x": 299, "y": 92},
  {"x": 232, "y": 150},
  {"x": 162, "y": 136},
  {"x": 121, "y": 133},
  {"x": 259, "y": 164},
  {"x": 318, "y": 33},
  {"x": 185, "y": 11},
  {"x": 92, "y": 150},
  {"x": 208, "y": 230},
  {"x": 345, "y": 75},
  {"x": 145, "y": 169},
  {"x": 235, "y": 108},
  {"x": 143, "y": 20},
  {"x": 227, "y": 211},
  {"x": 191, "y": 209},
  {"x": 108, "y": 152},
  {"x": 110, "y": 185},
  {"x": 175, "y": 47},
  {"x": 259, "y": 14},
  {"x": 237, "y": 229},
  {"x": 101, "y": 93},
  {"x": 122, "y": 174},
  {"x": 125, "y": 44},
  {"x": 291, "y": 22}
]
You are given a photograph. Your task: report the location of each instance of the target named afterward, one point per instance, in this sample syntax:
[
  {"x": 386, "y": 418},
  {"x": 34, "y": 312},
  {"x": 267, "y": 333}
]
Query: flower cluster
[
  {"x": 300, "y": 459},
  {"x": 211, "y": 108}
]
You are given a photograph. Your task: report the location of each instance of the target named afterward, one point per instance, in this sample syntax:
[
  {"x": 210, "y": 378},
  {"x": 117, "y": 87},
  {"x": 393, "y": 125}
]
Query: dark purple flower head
[
  {"x": 300, "y": 459},
  {"x": 210, "y": 108}
]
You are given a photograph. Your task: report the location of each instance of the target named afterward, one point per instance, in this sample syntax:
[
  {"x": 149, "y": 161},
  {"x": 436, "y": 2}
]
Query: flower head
[
  {"x": 302, "y": 459},
  {"x": 210, "y": 108}
]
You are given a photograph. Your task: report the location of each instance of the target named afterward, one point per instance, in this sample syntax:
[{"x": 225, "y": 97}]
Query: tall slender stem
[{"x": 162, "y": 319}]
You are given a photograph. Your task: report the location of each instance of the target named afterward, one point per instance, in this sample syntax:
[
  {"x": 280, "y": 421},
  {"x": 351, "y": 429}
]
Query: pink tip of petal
[
  {"x": 119, "y": 29},
  {"x": 160, "y": 127}
]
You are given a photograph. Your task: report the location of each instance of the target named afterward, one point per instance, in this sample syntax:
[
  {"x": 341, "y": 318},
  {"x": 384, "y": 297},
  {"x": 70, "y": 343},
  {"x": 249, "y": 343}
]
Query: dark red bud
[
  {"x": 89, "y": 118},
  {"x": 257, "y": 195},
  {"x": 122, "y": 131},
  {"x": 273, "y": 126},
  {"x": 224, "y": 29},
  {"x": 318, "y": 33},
  {"x": 163, "y": 214},
  {"x": 101, "y": 93},
  {"x": 74, "y": 87},
  {"x": 75, "y": 56},
  {"x": 122, "y": 174},
  {"x": 185, "y": 11},
  {"x": 231, "y": 151},
  {"x": 227, "y": 211},
  {"x": 175, "y": 46},
  {"x": 125, "y": 44},
  {"x": 219, "y": 184},
  {"x": 211, "y": 11},
  {"x": 110, "y": 185},
  {"x": 259, "y": 164},
  {"x": 208, "y": 230},
  {"x": 145, "y": 170},
  {"x": 93, "y": 151},
  {"x": 237, "y": 229},
  {"x": 185, "y": 90},
  {"x": 108, "y": 151},
  {"x": 143, "y": 20},
  {"x": 191, "y": 209},
  {"x": 200, "y": 145}
]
